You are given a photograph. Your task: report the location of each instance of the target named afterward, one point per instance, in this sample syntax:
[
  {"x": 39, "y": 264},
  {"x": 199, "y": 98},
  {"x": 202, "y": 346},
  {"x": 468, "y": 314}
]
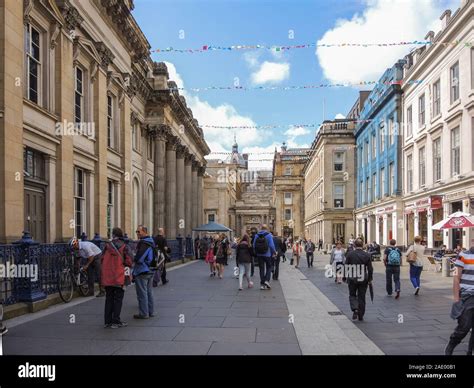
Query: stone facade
[
  {"x": 438, "y": 133},
  {"x": 91, "y": 136},
  {"x": 288, "y": 191},
  {"x": 329, "y": 183}
]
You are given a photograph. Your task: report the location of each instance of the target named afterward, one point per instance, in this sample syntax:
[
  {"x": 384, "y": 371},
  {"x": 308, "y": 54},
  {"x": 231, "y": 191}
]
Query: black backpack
[{"x": 261, "y": 244}]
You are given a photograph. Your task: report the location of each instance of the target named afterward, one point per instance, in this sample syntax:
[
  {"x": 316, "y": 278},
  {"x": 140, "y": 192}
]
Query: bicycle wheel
[
  {"x": 66, "y": 285},
  {"x": 83, "y": 283}
]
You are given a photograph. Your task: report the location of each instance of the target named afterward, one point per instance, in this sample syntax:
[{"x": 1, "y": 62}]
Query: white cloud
[
  {"x": 340, "y": 116},
  {"x": 382, "y": 21},
  {"x": 271, "y": 72},
  {"x": 297, "y": 131},
  {"x": 251, "y": 57}
]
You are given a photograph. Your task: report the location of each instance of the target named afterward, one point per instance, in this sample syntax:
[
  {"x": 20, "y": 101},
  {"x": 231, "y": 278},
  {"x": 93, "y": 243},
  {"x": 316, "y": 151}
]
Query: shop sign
[
  {"x": 436, "y": 202},
  {"x": 457, "y": 195}
]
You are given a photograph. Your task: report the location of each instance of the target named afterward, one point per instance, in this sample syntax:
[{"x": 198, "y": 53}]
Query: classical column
[
  {"x": 187, "y": 193},
  {"x": 385, "y": 230},
  {"x": 395, "y": 227},
  {"x": 416, "y": 227},
  {"x": 430, "y": 230},
  {"x": 180, "y": 189},
  {"x": 377, "y": 229},
  {"x": 201, "y": 171},
  {"x": 170, "y": 208},
  {"x": 159, "y": 197},
  {"x": 446, "y": 233},
  {"x": 194, "y": 195}
]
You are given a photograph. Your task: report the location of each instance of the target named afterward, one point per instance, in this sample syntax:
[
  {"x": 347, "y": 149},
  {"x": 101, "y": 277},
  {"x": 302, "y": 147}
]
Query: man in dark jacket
[
  {"x": 280, "y": 249},
  {"x": 253, "y": 234},
  {"x": 162, "y": 245},
  {"x": 359, "y": 271},
  {"x": 309, "y": 248},
  {"x": 143, "y": 274},
  {"x": 265, "y": 250}
]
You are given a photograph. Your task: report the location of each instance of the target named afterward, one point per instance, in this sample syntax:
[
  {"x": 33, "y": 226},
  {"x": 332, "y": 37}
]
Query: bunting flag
[
  {"x": 273, "y": 126},
  {"x": 208, "y": 48},
  {"x": 297, "y": 87}
]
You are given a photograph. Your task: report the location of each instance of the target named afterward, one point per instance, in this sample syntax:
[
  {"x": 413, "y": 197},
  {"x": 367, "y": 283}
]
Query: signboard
[{"x": 436, "y": 202}]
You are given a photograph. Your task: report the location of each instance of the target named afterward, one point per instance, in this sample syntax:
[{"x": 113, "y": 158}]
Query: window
[
  {"x": 79, "y": 201},
  {"x": 374, "y": 186},
  {"x": 422, "y": 166},
  {"x": 287, "y": 214},
  {"x": 436, "y": 98},
  {"x": 382, "y": 138},
  {"x": 454, "y": 82},
  {"x": 391, "y": 135},
  {"x": 78, "y": 96},
  {"x": 338, "y": 161},
  {"x": 110, "y": 207},
  {"x": 288, "y": 198},
  {"x": 211, "y": 218},
  {"x": 409, "y": 122},
  {"x": 110, "y": 121},
  {"x": 391, "y": 182},
  {"x": 410, "y": 173},
  {"x": 33, "y": 63},
  {"x": 382, "y": 182},
  {"x": 374, "y": 146},
  {"x": 367, "y": 190},
  {"x": 288, "y": 170},
  {"x": 437, "y": 159},
  {"x": 421, "y": 110},
  {"x": 150, "y": 148},
  {"x": 33, "y": 164},
  {"x": 338, "y": 196},
  {"x": 455, "y": 152},
  {"x": 366, "y": 152},
  {"x": 136, "y": 136}
]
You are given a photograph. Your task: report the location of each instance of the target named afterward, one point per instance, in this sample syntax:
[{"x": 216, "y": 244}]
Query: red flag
[{"x": 204, "y": 48}]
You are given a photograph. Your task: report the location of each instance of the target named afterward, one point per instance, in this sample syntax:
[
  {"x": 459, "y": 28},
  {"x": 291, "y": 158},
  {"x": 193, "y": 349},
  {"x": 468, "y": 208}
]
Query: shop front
[{"x": 387, "y": 224}]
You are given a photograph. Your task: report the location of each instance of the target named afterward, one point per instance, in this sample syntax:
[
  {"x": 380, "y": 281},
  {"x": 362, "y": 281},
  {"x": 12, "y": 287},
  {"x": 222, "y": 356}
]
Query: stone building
[
  {"x": 92, "y": 132},
  {"x": 438, "y": 133},
  {"x": 329, "y": 183},
  {"x": 288, "y": 191}
]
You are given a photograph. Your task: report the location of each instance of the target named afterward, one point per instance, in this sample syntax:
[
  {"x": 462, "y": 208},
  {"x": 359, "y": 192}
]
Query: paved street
[{"x": 202, "y": 315}]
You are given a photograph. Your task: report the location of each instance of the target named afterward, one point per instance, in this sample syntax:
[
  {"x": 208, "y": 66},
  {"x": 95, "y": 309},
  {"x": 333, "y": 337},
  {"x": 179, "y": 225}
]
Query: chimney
[
  {"x": 430, "y": 36},
  {"x": 445, "y": 18},
  {"x": 246, "y": 158},
  {"x": 283, "y": 147}
]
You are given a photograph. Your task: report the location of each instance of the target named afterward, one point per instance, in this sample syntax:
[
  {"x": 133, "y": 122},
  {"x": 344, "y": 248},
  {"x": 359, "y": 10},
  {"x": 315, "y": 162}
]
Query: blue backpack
[{"x": 394, "y": 257}]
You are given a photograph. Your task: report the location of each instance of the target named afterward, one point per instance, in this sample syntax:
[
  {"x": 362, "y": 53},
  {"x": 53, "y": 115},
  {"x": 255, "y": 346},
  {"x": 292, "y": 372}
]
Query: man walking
[
  {"x": 265, "y": 250},
  {"x": 358, "y": 270},
  {"x": 309, "y": 248},
  {"x": 253, "y": 235},
  {"x": 463, "y": 295},
  {"x": 392, "y": 260},
  {"x": 162, "y": 245},
  {"x": 320, "y": 244},
  {"x": 280, "y": 248},
  {"x": 143, "y": 274}
]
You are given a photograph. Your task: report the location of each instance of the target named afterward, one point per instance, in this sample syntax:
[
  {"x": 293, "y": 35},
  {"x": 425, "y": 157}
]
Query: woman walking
[
  {"x": 244, "y": 254},
  {"x": 211, "y": 259},
  {"x": 338, "y": 257},
  {"x": 219, "y": 252},
  {"x": 415, "y": 257},
  {"x": 297, "y": 249}
]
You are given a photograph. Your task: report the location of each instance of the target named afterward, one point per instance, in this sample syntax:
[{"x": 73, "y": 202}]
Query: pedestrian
[
  {"x": 253, "y": 235},
  {"x": 90, "y": 253},
  {"x": 296, "y": 253},
  {"x": 219, "y": 253},
  {"x": 359, "y": 271},
  {"x": 310, "y": 248},
  {"x": 203, "y": 247},
  {"x": 415, "y": 255},
  {"x": 226, "y": 244},
  {"x": 264, "y": 250},
  {"x": 143, "y": 274},
  {"x": 392, "y": 260},
  {"x": 162, "y": 246},
  {"x": 320, "y": 244},
  {"x": 115, "y": 258},
  {"x": 280, "y": 252},
  {"x": 211, "y": 259},
  {"x": 3, "y": 328},
  {"x": 243, "y": 257},
  {"x": 337, "y": 260},
  {"x": 463, "y": 307}
]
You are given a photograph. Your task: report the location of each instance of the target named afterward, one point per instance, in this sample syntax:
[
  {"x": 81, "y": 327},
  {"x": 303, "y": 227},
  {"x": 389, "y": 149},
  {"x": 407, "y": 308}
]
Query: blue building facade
[{"x": 378, "y": 134}]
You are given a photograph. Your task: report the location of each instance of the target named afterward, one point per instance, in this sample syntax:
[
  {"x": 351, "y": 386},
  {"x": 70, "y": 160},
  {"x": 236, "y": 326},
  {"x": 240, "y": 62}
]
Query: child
[{"x": 211, "y": 260}]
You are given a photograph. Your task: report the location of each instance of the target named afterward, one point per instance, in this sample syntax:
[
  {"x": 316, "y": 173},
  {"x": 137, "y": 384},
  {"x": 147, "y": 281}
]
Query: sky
[{"x": 184, "y": 24}]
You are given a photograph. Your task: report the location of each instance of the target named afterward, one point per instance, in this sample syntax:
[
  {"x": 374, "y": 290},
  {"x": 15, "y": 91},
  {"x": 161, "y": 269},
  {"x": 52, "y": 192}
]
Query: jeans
[
  {"x": 163, "y": 274},
  {"x": 357, "y": 296},
  {"x": 143, "y": 285},
  {"x": 415, "y": 273},
  {"x": 113, "y": 304},
  {"x": 310, "y": 258},
  {"x": 392, "y": 271},
  {"x": 93, "y": 273},
  {"x": 276, "y": 267},
  {"x": 265, "y": 264},
  {"x": 244, "y": 268}
]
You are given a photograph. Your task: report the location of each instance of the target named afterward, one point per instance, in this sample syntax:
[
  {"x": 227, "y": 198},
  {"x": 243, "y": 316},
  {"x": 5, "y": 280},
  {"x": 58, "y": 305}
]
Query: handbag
[{"x": 411, "y": 257}]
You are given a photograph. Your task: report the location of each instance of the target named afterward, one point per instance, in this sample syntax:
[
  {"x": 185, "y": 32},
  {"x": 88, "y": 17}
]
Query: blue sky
[{"x": 226, "y": 23}]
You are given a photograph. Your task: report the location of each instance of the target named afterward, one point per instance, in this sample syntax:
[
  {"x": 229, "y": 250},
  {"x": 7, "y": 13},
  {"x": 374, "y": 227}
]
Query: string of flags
[
  {"x": 296, "y": 87},
  {"x": 240, "y": 47},
  {"x": 271, "y": 126}
]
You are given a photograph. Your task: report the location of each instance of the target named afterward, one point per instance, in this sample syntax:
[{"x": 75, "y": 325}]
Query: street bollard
[{"x": 446, "y": 267}]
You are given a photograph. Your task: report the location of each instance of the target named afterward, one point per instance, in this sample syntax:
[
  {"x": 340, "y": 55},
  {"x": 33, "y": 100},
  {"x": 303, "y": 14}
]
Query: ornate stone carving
[
  {"x": 105, "y": 55},
  {"x": 162, "y": 132},
  {"x": 160, "y": 68},
  {"x": 133, "y": 118},
  {"x": 181, "y": 151},
  {"x": 172, "y": 143},
  {"x": 55, "y": 29},
  {"x": 71, "y": 16},
  {"x": 195, "y": 165},
  {"x": 201, "y": 170},
  {"x": 27, "y": 7}
]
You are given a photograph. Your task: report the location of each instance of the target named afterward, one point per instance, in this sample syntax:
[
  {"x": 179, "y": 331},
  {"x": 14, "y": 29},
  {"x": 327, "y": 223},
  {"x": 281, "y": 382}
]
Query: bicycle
[{"x": 70, "y": 278}]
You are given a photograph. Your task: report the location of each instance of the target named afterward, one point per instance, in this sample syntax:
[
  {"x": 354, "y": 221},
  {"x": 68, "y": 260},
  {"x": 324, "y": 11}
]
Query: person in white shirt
[
  {"x": 338, "y": 257},
  {"x": 416, "y": 267},
  {"x": 91, "y": 252}
]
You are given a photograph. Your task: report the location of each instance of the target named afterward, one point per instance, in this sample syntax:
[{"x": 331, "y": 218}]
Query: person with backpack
[
  {"x": 297, "y": 250},
  {"x": 115, "y": 258},
  {"x": 143, "y": 273},
  {"x": 264, "y": 250},
  {"x": 280, "y": 248},
  {"x": 243, "y": 257},
  {"x": 220, "y": 249},
  {"x": 253, "y": 235},
  {"x": 392, "y": 260},
  {"x": 309, "y": 248},
  {"x": 415, "y": 256}
]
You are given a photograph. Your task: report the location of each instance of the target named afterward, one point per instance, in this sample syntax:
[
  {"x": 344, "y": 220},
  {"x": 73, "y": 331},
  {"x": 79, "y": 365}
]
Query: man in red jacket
[{"x": 115, "y": 259}]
